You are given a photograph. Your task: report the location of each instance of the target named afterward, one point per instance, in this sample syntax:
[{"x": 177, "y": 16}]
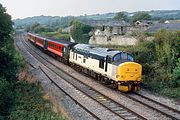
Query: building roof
[
  {"x": 168, "y": 26},
  {"x": 109, "y": 23},
  {"x": 143, "y": 22}
]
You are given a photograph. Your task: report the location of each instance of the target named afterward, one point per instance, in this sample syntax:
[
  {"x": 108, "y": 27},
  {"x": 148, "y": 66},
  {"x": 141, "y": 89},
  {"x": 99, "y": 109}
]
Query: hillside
[
  {"x": 44, "y": 20},
  {"x": 56, "y": 21}
]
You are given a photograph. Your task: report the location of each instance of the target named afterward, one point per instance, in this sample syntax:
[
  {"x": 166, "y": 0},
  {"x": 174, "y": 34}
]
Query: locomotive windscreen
[{"x": 122, "y": 57}]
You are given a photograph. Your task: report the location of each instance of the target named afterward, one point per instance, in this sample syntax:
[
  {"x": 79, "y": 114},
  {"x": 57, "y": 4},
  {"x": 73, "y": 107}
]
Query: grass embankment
[
  {"x": 20, "y": 100},
  {"x": 160, "y": 59},
  {"x": 57, "y": 35}
]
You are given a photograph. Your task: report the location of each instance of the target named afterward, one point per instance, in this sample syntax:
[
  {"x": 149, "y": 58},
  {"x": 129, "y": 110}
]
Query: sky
[{"x": 28, "y": 8}]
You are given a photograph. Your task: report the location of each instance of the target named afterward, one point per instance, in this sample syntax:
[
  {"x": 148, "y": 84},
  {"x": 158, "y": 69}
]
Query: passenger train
[{"x": 107, "y": 65}]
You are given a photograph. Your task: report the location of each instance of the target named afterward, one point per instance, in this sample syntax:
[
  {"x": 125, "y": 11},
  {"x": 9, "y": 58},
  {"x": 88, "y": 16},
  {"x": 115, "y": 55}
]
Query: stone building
[
  {"x": 143, "y": 25},
  {"x": 112, "y": 32},
  {"x": 108, "y": 27}
]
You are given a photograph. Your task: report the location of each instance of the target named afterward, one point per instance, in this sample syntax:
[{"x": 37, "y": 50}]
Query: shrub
[
  {"x": 160, "y": 61},
  {"x": 176, "y": 74},
  {"x": 57, "y": 35},
  {"x": 80, "y": 32}
]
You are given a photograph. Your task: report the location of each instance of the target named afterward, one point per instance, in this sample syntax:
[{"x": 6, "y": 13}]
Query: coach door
[
  {"x": 35, "y": 40},
  {"x": 45, "y": 44},
  {"x": 64, "y": 52}
]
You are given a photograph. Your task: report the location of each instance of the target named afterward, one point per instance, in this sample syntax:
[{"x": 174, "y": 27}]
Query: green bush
[
  {"x": 176, "y": 74},
  {"x": 57, "y": 35},
  {"x": 29, "y": 104},
  {"x": 80, "y": 32},
  {"x": 160, "y": 61},
  {"x": 6, "y": 99},
  {"x": 18, "y": 100}
]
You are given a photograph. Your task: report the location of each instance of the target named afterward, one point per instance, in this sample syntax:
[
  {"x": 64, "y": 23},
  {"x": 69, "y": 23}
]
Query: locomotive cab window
[
  {"x": 122, "y": 57},
  {"x": 130, "y": 58}
]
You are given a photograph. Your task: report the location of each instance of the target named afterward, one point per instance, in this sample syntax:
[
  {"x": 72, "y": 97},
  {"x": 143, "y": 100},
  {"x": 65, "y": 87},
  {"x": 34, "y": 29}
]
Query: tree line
[
  {"x": 18, "y": 99},
  {"x": 137, "y": 16}
]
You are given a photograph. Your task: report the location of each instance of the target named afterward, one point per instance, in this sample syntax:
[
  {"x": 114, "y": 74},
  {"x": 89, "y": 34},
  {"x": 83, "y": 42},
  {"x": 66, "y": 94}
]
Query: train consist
[{"x": 107, "y": 65}]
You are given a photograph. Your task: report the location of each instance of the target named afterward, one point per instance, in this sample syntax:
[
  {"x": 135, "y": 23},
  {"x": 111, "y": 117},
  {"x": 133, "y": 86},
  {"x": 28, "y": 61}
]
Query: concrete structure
[{"x": 113, "y": 40}]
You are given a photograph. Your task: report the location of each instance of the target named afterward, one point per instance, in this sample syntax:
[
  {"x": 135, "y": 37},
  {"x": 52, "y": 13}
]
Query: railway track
[
  {"x": 155, "y": 105},
  {"x": 105, "y": 101},
  {"x": 32, "y": 65},
  {"x": 113, "y": 106}
]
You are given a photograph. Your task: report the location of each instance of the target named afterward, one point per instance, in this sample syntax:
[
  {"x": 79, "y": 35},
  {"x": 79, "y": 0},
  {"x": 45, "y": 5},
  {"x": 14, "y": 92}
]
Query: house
[
  {"x": 167, "y": 26},
  {"x": 108, "y": 27},
  {"x": 143, "y": 24},
  {"x": 110, "y": 32},
  {"x": 67, "y": 29}
]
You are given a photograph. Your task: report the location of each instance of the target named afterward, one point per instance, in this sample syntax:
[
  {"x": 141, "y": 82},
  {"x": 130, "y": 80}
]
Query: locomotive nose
[{"x": 129, "y": 71}]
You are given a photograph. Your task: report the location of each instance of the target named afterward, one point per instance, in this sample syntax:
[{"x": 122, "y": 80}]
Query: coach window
[{"x": 101, "y": 63}]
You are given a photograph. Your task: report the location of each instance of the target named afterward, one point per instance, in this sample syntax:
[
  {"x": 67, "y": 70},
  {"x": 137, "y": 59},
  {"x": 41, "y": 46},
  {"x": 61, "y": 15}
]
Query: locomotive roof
[{"x": 103, "y": 52}]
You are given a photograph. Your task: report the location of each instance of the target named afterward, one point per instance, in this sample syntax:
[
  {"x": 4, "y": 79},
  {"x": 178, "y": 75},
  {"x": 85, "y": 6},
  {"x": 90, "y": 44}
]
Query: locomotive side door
[{"x": 106, "y": 63}]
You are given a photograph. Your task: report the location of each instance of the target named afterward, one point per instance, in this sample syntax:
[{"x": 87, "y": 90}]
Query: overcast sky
[{"x": 29, "y": 8}]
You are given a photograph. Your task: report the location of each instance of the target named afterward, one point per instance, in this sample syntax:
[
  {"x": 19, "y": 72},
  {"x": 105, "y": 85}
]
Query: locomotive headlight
[
  {"x": 117, "y": 76},
  {"x": 138, "y": 78}
]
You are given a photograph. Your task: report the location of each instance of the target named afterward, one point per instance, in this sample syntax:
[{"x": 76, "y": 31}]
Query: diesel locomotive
[{"x": 107, "y": 65}]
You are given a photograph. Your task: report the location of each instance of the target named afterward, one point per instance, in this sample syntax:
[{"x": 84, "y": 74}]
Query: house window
[{"x": 101, "y": 64}]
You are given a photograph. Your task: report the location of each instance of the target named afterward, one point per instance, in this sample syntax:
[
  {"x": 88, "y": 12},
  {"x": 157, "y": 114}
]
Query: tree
[
  {"x": 5, "y": 25},
  {"x": 34, "y": 26},
  {"x": 141, "y": 16},
  {"x": 120, "y": 16},
  {"x": 161, "y": 20},
  {"x": 80, "y": 32}
]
